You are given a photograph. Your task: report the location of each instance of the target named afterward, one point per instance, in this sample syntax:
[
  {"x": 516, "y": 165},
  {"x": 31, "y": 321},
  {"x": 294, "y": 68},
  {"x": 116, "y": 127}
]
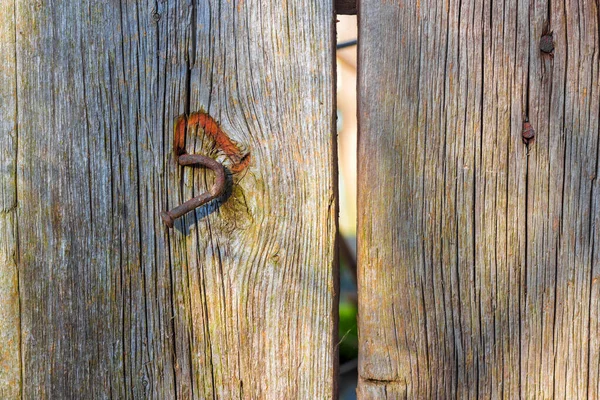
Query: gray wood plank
[
  {"x": 477, "y": 262},
  {"x": 239, "y": 300},
  {"x": 10, "y": 327}
]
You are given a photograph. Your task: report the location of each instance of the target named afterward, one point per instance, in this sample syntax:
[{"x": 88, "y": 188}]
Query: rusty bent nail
[{"x": 215, "y": 191}]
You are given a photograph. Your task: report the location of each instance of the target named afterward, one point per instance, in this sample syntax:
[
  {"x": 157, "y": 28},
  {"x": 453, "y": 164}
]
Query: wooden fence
[{"x": 478, "y": 199}]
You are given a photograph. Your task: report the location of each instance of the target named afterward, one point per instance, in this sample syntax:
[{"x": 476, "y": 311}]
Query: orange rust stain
[
  {"x": 213, "y": 130},
  {"x": 179, "y": 136},
  {"x": 240, "y": 166}
]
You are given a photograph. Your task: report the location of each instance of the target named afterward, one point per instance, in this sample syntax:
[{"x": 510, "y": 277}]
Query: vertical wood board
[
  {"x": 239, "y": 299},
  {"x": 478, "y": 270}
]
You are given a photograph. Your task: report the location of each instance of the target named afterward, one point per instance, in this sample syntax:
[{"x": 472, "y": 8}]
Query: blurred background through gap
[{"x": 347, "y": 142}]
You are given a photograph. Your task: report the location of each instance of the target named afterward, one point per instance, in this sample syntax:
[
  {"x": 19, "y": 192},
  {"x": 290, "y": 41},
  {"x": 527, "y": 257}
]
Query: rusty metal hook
[
  {"x": 215, "y": 191},
  {"x": 185, "y": 159}
]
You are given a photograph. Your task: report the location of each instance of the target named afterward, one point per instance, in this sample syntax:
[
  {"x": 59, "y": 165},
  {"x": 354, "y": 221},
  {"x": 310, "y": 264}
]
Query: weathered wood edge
[{"x": 10, "y": 329}]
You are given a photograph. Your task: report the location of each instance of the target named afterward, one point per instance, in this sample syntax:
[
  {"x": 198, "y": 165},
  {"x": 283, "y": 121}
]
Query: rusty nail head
[
  {"x": 528, "y": 132},
  {"x": 547, "y": 43}
]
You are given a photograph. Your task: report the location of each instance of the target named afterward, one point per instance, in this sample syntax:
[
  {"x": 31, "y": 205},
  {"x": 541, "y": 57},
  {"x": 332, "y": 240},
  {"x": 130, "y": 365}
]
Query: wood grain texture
[
  {"x": 239, "y": 300},
  {"x": 10, "y": 327},
  {"x": 478, "y": 272}
]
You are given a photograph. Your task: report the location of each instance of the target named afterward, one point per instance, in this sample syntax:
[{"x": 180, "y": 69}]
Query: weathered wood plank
[
  {"x": 86, "y": 88},
  {"x": 275, "y": 286},
  {"x": 10, "y": 326},
  {"x": 477, "y": 262},
  {"x": 238, "y": 300}
]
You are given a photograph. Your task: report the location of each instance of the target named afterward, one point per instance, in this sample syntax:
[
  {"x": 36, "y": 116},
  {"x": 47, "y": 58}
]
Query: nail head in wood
[
  {"x": 547, "y": 44},
  {"x": 528, "y": 132}
]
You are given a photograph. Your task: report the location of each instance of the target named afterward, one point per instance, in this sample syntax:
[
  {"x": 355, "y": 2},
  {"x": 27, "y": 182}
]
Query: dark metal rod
[
  {"x": 215, "y": 191},
  {"x": 349, "y": 43}
]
